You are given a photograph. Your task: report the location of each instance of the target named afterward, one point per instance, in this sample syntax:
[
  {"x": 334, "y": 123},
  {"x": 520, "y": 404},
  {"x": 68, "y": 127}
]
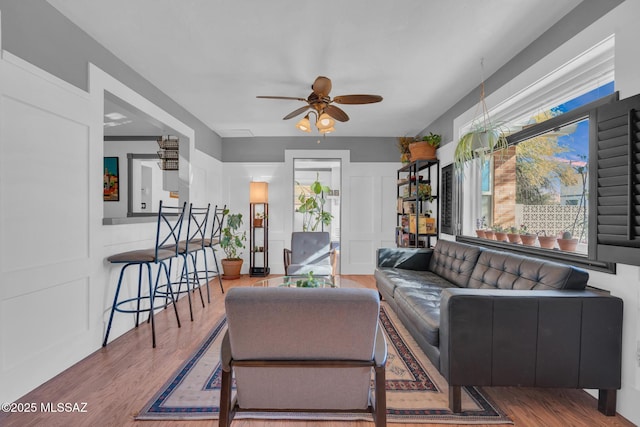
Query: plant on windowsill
[
  {"x": 567, "y": 242},
  {"x": 500, "y": 232},
  {"x": 481, "y": 226},
  {"x": 513, "y": 235},
  {"x": 547, "y": 242},
  {"x": 231, "y": 241},
  {"x": 312, "y": 206},
  {"x": 528, "y": 239}
]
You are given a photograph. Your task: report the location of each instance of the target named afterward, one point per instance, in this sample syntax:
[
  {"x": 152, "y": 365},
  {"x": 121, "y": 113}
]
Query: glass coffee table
[{"x": 305, "y": 282}]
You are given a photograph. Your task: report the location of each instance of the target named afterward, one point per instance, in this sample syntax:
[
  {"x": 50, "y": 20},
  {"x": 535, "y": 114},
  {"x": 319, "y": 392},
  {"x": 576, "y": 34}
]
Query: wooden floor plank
[{"x": 118, "y": 380}]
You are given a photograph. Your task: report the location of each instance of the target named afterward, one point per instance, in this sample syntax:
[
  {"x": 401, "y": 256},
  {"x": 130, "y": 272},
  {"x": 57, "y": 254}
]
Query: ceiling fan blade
[
  {"x": 357, "y": 99},
  {"x": 282, "y": 97},
  {"x": 321, "y": 86},
  {"x": 336, "y": 113},
  {"x": 296, "y": 112}
]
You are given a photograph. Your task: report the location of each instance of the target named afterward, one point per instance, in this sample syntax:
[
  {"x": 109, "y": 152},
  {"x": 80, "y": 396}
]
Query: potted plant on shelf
[
  {"x": 514, "y": 235},
  {"x": 547, "y": 242},
  {"x": 425, "y": 148},
  {"x": 312, "y": 206},
  {"x": 403, "y": 146},
  {"x": 259, "y": 219},
  {"x": 231, "y": 241},
  {"x": 528, "y": 239},
  {"x": 567, "y": 242}
]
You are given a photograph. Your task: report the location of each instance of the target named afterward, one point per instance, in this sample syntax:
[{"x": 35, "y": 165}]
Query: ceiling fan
[{"x": 322, "y": 105}]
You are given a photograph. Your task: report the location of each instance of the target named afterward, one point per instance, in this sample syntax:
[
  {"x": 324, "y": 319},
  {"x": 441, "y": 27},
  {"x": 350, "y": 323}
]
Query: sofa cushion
[
  {"x": 421, "y": 307},
  {"x": 390, "y": 279},
  {"x": 454, "y": 261},
  {"x": 501, "y": 270}
]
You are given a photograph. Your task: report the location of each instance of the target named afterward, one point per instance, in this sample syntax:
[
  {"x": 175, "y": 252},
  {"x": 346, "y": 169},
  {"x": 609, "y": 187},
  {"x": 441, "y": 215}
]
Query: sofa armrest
[
  {"x": 559, "y": 338},
  {"x": 405, "y": 258}
]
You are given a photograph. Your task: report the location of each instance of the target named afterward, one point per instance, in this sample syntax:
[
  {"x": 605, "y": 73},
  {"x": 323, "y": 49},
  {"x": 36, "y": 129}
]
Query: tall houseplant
[
  {"x": 232, "y": 241},
  {"x": 312, "y": 205}
]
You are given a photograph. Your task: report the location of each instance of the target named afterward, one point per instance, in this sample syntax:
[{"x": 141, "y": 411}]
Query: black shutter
[
  {"x": 618, "y": 181},
  {"x": 446, "y": 219}
]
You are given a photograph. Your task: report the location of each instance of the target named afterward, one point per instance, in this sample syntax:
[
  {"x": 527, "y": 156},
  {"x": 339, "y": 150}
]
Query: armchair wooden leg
[
  {"x": 225, "y": 399},
  {"x": 607, "y": 401},
  {"x": 380, "y": 415},
  {"x": 455, "y": 398}
]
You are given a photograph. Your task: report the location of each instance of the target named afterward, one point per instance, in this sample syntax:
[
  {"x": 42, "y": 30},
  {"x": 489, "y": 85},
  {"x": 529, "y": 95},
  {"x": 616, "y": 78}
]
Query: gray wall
[
  {"x": 583, "y": 15},
  {"x": 36, "y": 32},
  {"x": 271, "y": 149}
]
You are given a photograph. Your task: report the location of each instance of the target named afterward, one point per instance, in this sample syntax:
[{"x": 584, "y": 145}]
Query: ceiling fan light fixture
[
  {"x": 304, "y": 124},
  {"x": 326, "y": 130},
  {"x": 325, "y": 121}
]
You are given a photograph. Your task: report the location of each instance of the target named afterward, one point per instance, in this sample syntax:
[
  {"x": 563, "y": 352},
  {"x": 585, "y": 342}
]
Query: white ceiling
[{"x": 214, "y": 56}]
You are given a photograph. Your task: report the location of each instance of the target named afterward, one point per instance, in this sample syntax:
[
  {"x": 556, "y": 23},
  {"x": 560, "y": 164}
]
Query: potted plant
[
  {"x": 423, "y": 192},
  {"x": 312, "y": 206},
  {"x": 259, "y": 219},
  {"x": 231, "y": 241},
  {"x": 547, "y": 242},
  {"x": 481, "y": 141},
  {"x": 528, "y": 239},
  {"x": 481, "y": 225},
  {"x": 514, "y": 235},
  {"x": 403, "y": 146},
  {"x": 490, "y": 234},
  {"x": 425, "y": 148},
  {"x": 567, "y": 242},
  {"x": 500, "y": 232}
]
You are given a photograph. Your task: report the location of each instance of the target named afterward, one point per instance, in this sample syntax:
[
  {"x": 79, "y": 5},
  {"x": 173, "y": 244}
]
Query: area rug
[{"x": 416, "y": 392}]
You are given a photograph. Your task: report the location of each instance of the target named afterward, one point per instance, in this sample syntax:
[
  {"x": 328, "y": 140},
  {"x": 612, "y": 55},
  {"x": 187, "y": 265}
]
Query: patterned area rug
[{"x": 416, "y": 393}]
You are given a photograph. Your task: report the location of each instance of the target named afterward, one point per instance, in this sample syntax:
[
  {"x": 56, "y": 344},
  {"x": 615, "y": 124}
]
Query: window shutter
[
  {"x": 618, "y": 181},
  {"x": 446, "y": 220}
]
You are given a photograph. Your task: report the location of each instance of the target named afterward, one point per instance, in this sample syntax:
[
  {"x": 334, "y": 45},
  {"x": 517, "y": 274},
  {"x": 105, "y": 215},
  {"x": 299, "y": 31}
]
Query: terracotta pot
[
  {"x": 514, "y": 238},
  {"x": 568, "y": 245},
  {"x": 490, "y": 235},
  {"x": 501, "y": 236},
  {"x": 480, "y": 233},
  {"x": 528, "y": 239},
  {"x": 422, "y": 150},
  {"x": 547, "y": 242},
  {"x": 231, "y": 268},
  {"x": 257, "y": 222}
]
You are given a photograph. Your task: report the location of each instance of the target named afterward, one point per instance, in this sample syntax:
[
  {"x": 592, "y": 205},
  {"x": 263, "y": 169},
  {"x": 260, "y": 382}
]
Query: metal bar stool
[
  {"x": 166, "y": 247},
  {"x": 188, "y": 250},
  {"x": 211, "y": 242}
]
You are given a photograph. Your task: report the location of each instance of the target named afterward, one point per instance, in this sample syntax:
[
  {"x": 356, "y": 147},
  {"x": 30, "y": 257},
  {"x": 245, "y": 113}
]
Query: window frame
[{"x": 587, "y": 111}]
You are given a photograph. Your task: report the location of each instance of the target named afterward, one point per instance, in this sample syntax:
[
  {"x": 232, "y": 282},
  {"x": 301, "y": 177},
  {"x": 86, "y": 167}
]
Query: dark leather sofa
[{"x": 491, "y": 318}]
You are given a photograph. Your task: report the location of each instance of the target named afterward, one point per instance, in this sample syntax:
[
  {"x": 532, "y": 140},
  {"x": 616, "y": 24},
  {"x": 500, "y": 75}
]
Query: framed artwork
[{"x": 111, "y": 188}]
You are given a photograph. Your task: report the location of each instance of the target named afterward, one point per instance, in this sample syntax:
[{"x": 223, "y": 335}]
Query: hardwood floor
[{"x": 117, "y": 381}]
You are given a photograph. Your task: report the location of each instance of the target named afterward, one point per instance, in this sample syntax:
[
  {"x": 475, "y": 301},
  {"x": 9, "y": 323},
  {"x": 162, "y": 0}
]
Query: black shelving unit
[
  {"x": 413, "y": 230},
  {"x": 259, "y": 240}
]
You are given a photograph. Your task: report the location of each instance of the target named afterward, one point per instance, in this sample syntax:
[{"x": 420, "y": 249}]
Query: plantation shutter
[
  {"x": 618, "y": 181},
  {"x": 446, "y": 219}
]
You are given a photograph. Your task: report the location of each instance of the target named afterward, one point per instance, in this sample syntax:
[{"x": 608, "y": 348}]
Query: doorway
[{"x": 329, "y": 173}]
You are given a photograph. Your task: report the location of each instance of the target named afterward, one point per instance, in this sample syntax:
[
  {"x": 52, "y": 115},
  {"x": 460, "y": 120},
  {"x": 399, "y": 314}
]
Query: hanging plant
[{"x": 484, "y": 138}]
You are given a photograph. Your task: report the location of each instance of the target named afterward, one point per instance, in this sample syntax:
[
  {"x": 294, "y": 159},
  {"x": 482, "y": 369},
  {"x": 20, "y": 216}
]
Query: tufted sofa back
[
  {"x": 501, "y": 270},
  {"x": 454, "y": 261}
]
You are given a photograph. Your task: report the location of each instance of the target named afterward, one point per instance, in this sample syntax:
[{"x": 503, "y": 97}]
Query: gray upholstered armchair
[
  {"x": 310, "y": 251},
  {"x": 296, "y": 349}
]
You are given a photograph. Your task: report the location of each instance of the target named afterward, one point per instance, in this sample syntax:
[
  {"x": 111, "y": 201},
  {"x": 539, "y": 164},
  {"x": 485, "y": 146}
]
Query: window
[{"x": 541, "y": 183}]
